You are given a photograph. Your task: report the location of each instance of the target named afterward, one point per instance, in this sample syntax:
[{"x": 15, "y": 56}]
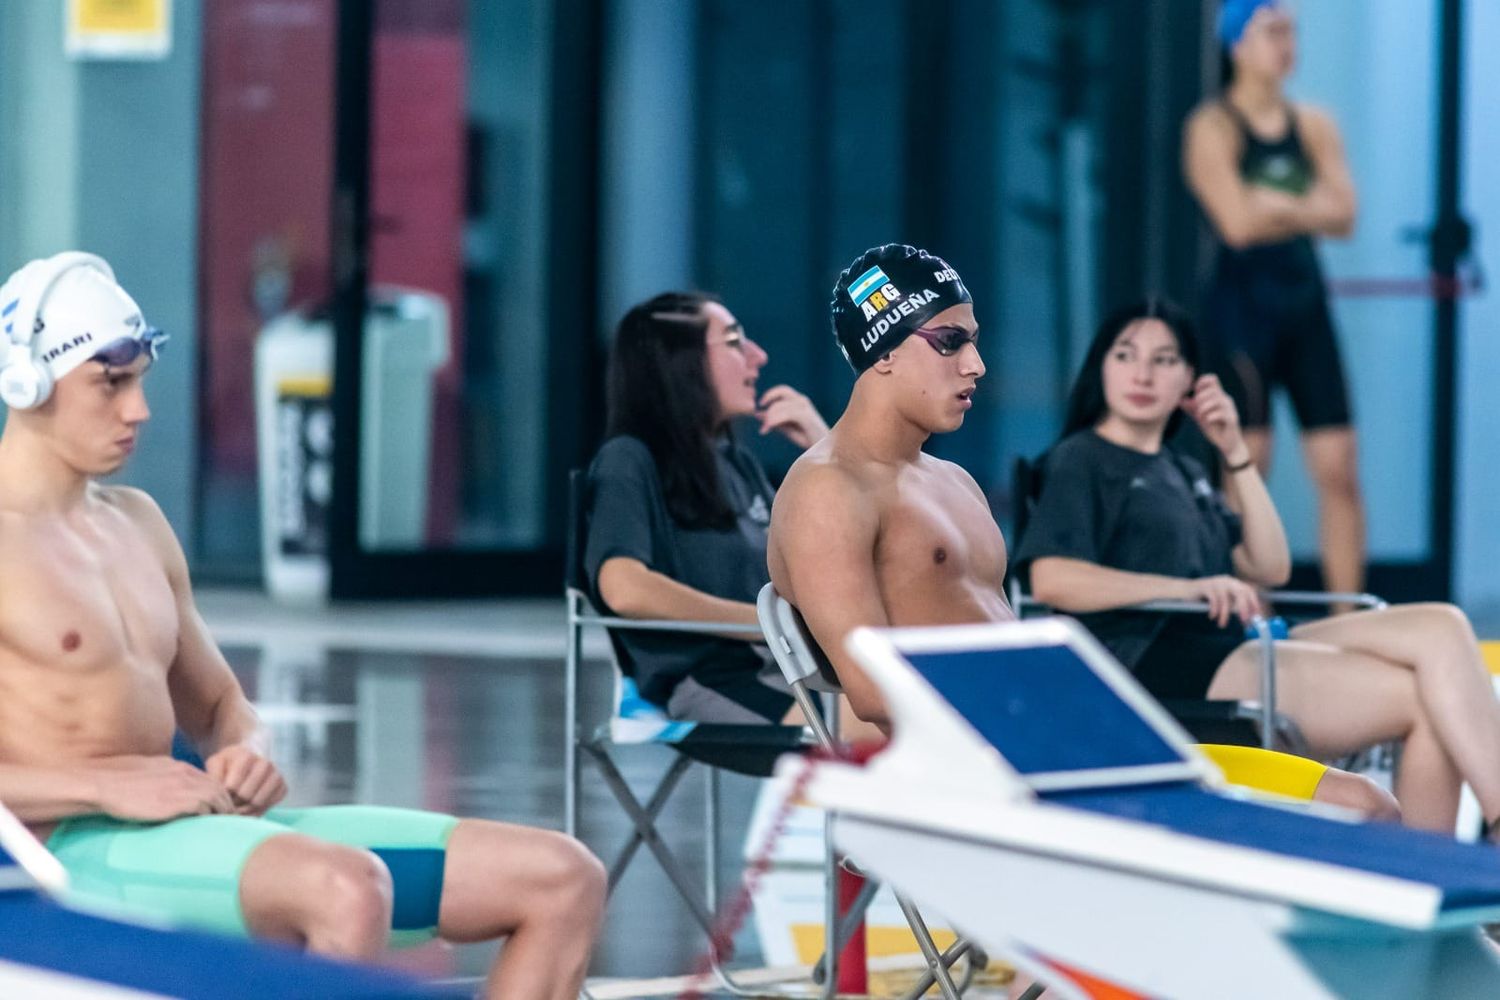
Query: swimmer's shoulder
[
  {"x": 1315, "y": 124},
  {"x": 957, "y": 474},
  {"x": 819, "y": 470},
  {"x": 135, "y": 504},
  {"x": 1210, "y": 127},
  {"x": 138, "y": 507},
  {"x": 824, "y": 483}
]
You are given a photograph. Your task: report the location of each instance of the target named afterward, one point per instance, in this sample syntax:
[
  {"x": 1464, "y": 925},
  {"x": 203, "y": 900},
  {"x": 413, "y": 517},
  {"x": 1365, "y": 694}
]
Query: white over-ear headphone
[{"x": 25, "y": 383}]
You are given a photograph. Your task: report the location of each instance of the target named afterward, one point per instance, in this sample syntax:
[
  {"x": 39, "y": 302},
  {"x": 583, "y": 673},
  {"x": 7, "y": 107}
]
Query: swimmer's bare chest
[
  {"x": 940, "y": 557},
  {"x": 88, "y": 632}
]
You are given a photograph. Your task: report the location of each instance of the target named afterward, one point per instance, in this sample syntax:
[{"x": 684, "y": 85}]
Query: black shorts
[
  {"x": 1182, "y": 659},
  {"x": 1260, "y": 332},
  {"x": 733, "y": 694}
]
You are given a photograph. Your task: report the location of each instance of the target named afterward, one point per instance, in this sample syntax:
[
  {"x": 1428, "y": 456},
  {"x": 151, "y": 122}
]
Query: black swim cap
[{"x": 886, "y": 294}]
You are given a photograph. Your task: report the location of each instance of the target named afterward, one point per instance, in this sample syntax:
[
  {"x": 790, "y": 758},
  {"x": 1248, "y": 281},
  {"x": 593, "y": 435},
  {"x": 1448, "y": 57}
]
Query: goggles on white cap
[{"x": 59, "y": 313}]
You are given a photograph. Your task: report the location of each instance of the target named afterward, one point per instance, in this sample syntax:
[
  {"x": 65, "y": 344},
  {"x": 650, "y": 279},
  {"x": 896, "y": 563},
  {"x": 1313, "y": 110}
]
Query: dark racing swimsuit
[{"x": 1266, "y": 319}]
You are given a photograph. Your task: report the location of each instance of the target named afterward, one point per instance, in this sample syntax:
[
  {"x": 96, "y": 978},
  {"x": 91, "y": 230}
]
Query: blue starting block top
[
  {"x": 1046, "y": 710},
  {"x": 1059, "y": 707},
  {"x": 41, "y": 940},
  {"x": 12, "y": 875}
]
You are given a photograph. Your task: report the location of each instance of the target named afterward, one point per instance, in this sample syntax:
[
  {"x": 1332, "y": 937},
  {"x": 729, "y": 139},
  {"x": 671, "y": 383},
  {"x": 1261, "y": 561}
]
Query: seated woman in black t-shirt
[
  {"x": 1121, "y": 520},
  {"x": 679, "y": 509}
]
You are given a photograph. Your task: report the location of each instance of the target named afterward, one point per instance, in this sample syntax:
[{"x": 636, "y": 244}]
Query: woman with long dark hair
[
  {"x": 1272, "y": 179},
  {"x": 1123, "y": 520},
  {"x": 679, "y": 508}
]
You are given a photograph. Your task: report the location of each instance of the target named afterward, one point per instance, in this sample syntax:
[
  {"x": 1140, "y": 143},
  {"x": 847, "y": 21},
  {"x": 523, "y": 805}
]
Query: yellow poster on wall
[{"x": 119, "y": 29}]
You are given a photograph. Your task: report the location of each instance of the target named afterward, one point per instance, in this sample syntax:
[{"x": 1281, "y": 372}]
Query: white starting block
[
  {"x": 50, "y": 951},
  {"x": 1039, "y": 798}
]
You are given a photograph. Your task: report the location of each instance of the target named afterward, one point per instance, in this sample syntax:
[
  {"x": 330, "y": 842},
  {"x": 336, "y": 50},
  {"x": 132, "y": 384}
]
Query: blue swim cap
[{"x": 1234, "y": 15}]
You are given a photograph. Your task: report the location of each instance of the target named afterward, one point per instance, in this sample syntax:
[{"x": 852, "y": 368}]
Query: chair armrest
[
  {"x": 663, "y": 625},
  {"x": 1323, "y": 598},
  {"x": 581, "y": 612}
]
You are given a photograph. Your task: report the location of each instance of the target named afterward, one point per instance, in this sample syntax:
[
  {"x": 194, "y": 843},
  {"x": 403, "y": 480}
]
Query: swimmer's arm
[
  {"x": 45, "y": 794},
  {"x": 1332, "y": 194},
  {"x": 1242, "y": 215},
  {"x": 825, "y": 530},
  {"x": 634, "y": 590},
  {"x": 1078, "y": 586},
  {"x": 143, "y": 788},
  {"x": 210, "y": 706},
  {"x": 207, "y": 700}
]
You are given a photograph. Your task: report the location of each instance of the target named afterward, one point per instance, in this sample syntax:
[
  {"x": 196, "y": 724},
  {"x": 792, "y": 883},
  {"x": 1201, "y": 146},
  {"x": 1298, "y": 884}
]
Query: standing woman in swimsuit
[{"x": 1272, "y": 178}]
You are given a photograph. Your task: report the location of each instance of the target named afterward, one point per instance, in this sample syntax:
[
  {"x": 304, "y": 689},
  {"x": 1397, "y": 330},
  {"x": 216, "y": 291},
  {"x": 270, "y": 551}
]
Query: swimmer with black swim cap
[{"x": 867, "y": 529}]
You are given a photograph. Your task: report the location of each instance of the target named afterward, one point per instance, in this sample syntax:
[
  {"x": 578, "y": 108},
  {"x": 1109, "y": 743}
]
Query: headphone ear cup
[
  {"x": 24, "y": 382},
  {"x": 24, "y": 385}
]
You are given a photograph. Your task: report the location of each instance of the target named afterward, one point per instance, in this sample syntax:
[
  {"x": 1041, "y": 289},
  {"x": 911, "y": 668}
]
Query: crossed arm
[{"x": 1246, "y": 215}]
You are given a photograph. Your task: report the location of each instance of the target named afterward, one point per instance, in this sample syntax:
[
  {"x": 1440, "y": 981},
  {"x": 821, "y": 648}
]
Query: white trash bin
[{"x": 406, "y": 342}]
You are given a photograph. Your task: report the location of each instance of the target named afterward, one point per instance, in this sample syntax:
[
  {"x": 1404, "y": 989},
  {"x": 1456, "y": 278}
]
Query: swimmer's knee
[
  {"x": 1359, "y": 793},
  {"x": 355, "y": 885},
  {"x": 571, "y": 875}
]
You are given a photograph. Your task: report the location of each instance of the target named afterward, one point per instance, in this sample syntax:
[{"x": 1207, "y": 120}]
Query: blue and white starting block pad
[
  {"x": 1038, "y": 798},
  {"x": 52, "y": 951}
]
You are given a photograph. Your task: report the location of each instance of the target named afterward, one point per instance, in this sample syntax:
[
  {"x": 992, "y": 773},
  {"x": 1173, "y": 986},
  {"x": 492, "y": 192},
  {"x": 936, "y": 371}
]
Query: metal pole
[
  {"x": 573, "y": 777},
  {"x": 1450, "y": 241}
]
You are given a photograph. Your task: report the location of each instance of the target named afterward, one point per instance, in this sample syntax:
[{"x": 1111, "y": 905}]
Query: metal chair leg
[
  {"x": 711, "y": 838},
  {"x": 957, "y": 950},
  {"x": 848, "y": 923},
  {"x": 929, "y": 950},
  {"x": 643, "y": 817}
]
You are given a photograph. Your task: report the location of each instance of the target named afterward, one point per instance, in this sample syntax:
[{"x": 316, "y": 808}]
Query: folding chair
[
  {"x": 808, "y": 671},
  {"x": 1211, "y": 721},
  {"x": 743, "y": 749}
]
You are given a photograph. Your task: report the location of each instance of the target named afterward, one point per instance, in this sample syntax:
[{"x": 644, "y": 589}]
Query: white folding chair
[{"x": 810, "y": 675}]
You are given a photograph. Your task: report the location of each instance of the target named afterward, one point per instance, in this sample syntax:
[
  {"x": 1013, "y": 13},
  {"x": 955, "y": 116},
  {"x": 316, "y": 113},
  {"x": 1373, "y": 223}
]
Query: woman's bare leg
[
  {"x": 1345, "y": 701},
  {"x": 1333, "y": 464},
  {"x": 1438, "y": 644},
  {"x": 1359, "y": 793}
]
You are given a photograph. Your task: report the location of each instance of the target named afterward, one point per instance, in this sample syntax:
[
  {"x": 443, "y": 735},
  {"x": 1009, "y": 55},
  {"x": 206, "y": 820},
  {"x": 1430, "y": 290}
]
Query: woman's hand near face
[
  {"x": 784, "y": 409},
  {"x": 1218, "y": 418}
]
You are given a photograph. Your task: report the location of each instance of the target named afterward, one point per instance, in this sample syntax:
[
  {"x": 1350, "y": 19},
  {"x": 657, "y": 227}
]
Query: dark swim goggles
[
  {"x": 123, "y": 352},
  {"x": 947, "y": 340}
]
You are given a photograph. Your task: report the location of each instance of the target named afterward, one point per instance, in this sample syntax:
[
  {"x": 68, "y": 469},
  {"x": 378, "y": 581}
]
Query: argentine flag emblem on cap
[{"x": 867, "y": 284}]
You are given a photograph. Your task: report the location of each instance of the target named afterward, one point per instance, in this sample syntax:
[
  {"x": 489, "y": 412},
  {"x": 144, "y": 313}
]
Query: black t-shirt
[
  {"x": 1116, "y": 507},
  {"x": 629, "y": 517}
]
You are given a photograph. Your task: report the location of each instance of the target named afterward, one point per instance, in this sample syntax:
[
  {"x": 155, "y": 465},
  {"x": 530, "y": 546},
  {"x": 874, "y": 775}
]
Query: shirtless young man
[
  {"x": 103, "y": 654},
  {"x": 869, "y": 530}
]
